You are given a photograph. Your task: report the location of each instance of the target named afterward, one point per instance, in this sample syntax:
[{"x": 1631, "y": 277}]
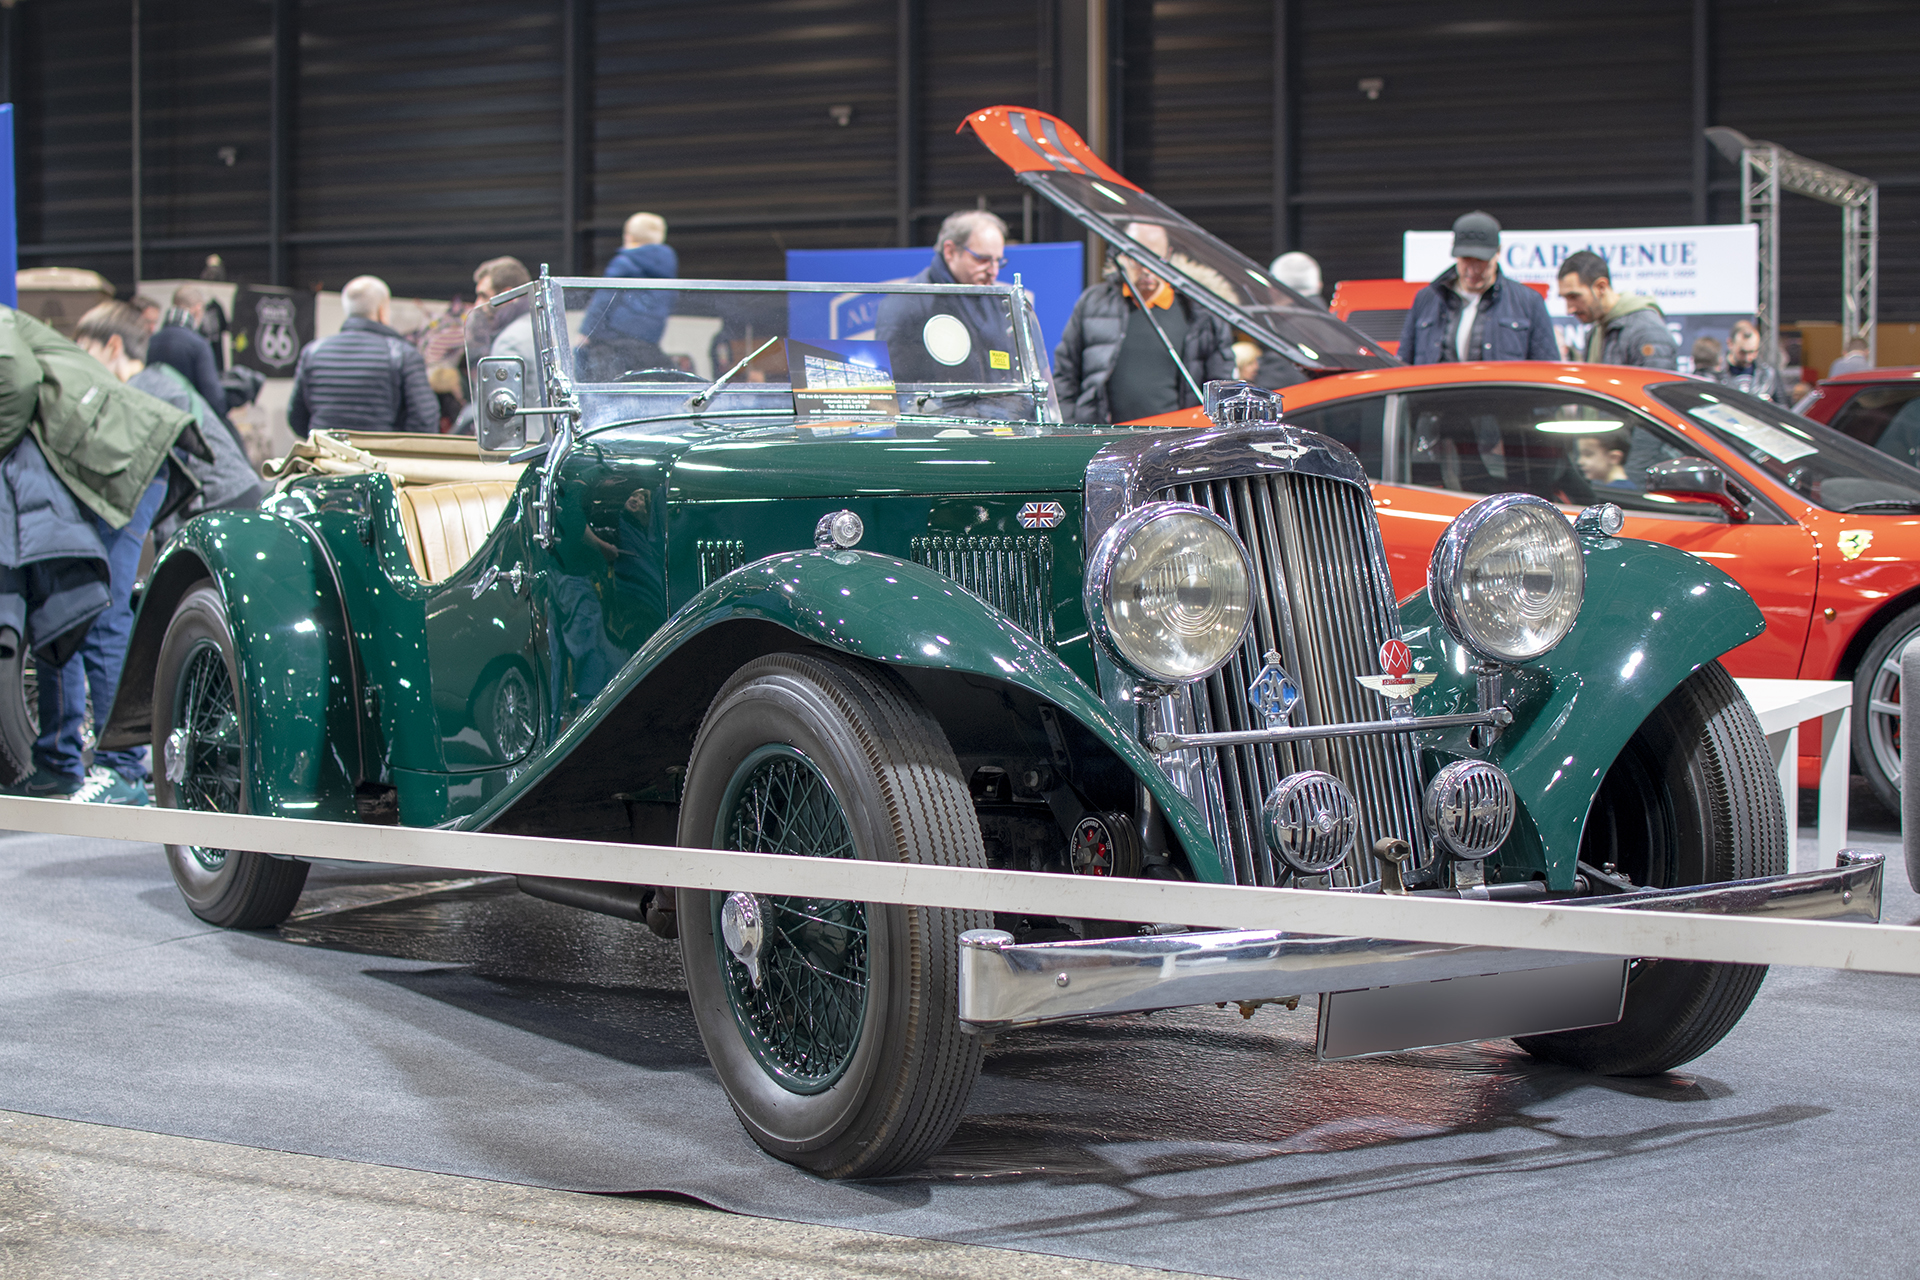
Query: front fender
[
  {"x": 1653, "y": 616},
  {"x": 290, "y": 640},
  {"x": 889, "y": 611}
]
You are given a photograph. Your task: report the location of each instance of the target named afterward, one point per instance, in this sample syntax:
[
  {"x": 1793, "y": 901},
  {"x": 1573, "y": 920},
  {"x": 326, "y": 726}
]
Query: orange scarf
[{"x": 1162, "y": 297}]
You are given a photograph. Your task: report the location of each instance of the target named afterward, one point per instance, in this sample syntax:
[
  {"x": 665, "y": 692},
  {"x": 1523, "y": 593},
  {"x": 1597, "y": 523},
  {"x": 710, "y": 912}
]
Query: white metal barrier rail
[{"x": 1543, "y": 927}]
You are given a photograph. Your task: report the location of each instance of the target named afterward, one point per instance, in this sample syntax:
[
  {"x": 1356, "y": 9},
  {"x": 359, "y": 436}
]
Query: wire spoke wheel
[
  {"x": 19, "y": 707},
  {"x": 831, "y": 1025},
  {"x": 801, "y": 1012},
  {"x": 202, "y": 754},
  {"x": 200, "y": 763}
]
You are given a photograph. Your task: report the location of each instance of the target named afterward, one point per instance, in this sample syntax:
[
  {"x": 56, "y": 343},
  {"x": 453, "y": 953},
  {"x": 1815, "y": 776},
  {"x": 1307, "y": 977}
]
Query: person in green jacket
[{"x": 110, "y": 445}]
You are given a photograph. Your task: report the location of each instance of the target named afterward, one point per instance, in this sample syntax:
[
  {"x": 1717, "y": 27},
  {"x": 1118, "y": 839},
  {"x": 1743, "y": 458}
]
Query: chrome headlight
[
  {"x": 1507, "y": 577},
  {"x": 1169, "y": 592}
]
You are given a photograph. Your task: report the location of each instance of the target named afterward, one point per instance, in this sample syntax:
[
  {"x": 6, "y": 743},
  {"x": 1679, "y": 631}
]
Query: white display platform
[{"x": 1783, "y": 705}]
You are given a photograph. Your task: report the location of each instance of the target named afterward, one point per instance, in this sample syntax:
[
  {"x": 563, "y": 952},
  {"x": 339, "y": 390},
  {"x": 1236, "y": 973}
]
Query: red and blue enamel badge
[
  {"x": 1398, "y": 678},
  {"x": 1041, "y": 515}
]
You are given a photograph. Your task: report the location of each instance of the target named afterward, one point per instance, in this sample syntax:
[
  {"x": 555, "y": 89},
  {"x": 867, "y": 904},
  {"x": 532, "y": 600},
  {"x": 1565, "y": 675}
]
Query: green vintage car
[{"x": 722, "y": 570}]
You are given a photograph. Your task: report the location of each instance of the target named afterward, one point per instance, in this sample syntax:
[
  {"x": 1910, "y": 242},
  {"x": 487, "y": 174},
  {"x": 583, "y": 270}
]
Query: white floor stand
[{"x": 1783, "y": 705}]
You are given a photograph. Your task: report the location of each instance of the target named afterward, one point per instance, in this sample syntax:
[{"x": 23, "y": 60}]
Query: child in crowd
[{"x": 1603, "y": 459}]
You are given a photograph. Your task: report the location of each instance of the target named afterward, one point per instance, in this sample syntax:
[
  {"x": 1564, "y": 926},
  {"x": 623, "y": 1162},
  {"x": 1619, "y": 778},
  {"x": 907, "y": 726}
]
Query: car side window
[
  {"x": 1357, "y": 424},
  {"x": 1888, "y": 418},
  {"x": 1565, "y": 447}
]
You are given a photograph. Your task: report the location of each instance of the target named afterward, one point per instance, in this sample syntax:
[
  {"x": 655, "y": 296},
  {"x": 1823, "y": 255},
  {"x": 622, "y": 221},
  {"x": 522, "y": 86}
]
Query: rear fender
[
  {"x": 866, "y": 605},
  {"x": 290, "y": 638},
  {"x": 1653, "y": 616}
]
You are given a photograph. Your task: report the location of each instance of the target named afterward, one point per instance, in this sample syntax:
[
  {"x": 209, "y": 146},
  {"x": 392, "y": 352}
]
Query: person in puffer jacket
[
  {"x": 1112, "y": 365},
  {"x": 365, "y": 377}
]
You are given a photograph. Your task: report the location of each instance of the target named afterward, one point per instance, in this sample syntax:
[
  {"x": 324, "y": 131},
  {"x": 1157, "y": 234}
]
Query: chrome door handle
[{"x": 516, "y": 579}]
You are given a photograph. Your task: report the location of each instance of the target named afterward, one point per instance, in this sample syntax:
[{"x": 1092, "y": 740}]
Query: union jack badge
[
  {"x": 1041, "y": 515},
  {"x": 1398, "y": 678}
]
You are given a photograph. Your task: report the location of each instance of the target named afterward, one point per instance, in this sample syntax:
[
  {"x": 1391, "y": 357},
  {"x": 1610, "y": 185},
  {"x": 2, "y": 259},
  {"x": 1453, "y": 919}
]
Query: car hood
[
  {"x": 1048, "y": 156},
  {"x": 770, "y": 464}
]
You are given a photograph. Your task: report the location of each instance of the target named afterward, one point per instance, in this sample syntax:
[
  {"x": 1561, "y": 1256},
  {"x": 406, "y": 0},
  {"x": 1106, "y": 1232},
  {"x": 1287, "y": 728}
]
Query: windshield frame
[
  {"x": 1864, "y": 460},
  {"x": 561, "y": 385}
]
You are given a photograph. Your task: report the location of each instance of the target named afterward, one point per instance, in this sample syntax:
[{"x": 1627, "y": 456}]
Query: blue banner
[
  {"x": 9, "y": 244},
  {"x": 1052, "y": 274}
]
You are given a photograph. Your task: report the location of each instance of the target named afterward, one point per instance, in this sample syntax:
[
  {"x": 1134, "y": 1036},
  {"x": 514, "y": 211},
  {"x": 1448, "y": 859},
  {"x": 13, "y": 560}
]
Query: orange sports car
[{"x": 1821, "y": 529}]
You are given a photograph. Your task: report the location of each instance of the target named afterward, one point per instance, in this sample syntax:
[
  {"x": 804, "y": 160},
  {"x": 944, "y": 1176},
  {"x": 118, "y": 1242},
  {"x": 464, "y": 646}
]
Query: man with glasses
[{"x": 964, "y": 339}]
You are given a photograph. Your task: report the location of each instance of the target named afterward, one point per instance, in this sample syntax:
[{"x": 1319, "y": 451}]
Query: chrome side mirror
[
  {"x": 1689, "y": 479},
  {"x": 499, "y": 389}
]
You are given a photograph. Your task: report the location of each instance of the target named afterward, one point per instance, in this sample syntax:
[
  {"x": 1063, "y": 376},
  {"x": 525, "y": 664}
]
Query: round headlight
[
  {"x": 1169, "y": 592},
  {"x": 1507, "y": 577}
]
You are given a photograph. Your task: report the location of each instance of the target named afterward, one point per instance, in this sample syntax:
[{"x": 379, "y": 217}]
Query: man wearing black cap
[{"x": 1472, "y": 311}]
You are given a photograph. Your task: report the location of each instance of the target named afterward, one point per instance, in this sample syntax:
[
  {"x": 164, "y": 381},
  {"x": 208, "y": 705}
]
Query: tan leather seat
[{"x": 446, "y": 523}]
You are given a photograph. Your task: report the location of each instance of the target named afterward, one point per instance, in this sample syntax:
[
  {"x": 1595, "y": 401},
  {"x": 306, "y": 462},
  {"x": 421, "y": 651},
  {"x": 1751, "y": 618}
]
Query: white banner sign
[{"x": 1689, "y": 271}]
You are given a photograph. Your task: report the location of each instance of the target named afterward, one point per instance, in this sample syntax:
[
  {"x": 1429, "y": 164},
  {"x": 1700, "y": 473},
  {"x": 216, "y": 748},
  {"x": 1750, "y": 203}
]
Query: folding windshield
[
  {"x": 846, "y": 354},
  {"x": 1818, "y": 463}
]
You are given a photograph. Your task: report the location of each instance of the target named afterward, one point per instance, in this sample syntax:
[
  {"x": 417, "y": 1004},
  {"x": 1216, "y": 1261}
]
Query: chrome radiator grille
[
  {"x": 1325, "y": 607},
  {"x": 1014, "y": 574}
]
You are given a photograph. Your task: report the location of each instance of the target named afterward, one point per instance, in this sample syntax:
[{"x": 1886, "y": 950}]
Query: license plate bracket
[{"x": 1492, "y": 1006}]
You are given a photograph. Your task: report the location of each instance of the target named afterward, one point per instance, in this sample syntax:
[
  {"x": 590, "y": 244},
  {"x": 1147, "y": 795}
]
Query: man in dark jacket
[
  {"x": 1626, "y": 328},
  {"x": 1744, "y": 370},
  {"x": 623, "y": 328},
  {"x": 1472, "y": 310},
  {"x": 365, "y": 377},
  {"x": 1112, "y": 363},
  {"x": 935, "y": 339}
]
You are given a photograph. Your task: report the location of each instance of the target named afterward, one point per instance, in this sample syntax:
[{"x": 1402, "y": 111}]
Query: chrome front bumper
[{"x": 1004, "y": 984}]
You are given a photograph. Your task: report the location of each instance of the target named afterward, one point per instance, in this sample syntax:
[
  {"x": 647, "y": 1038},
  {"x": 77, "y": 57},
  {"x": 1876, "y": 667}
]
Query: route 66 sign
[
  {"x": 270, "y": 326},
  {"x": 276, "y": 340}
]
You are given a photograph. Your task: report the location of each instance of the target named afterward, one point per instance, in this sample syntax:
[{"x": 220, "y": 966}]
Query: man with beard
[
  {"x": 511, "y": 323},
  {"x": 1626, "y": 328}
]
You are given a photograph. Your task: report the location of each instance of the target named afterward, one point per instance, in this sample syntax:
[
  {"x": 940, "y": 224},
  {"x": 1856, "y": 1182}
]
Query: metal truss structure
[{"x": 1767, "y": 171}]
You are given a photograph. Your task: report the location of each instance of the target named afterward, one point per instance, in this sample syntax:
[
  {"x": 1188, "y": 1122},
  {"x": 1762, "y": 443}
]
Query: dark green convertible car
[{"x": 723, "y": 571}]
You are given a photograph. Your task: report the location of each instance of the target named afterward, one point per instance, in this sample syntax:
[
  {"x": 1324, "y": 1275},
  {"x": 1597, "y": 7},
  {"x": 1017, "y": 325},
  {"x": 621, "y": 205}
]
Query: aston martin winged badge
[{"x": 1398, "y": 679}]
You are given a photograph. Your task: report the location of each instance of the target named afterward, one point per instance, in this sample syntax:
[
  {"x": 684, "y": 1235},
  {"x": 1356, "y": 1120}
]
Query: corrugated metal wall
[
  {"x": 717, "y": 116},
  {"x": 415, "y": 119},
  {"x": 1839, "y": 83},
  {"x": 1514, "y": 110},
  {"x": 426, "y": 137}
]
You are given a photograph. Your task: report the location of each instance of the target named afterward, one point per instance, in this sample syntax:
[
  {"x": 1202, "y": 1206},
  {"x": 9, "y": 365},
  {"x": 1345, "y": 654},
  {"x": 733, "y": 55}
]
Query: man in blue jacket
[
  {"x": 1473, "y": 311},
  {"x": 623, "y": 328}
]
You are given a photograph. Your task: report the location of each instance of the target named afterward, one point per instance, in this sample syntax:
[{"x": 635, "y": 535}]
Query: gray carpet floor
[{"x": 403, "y": 1020}]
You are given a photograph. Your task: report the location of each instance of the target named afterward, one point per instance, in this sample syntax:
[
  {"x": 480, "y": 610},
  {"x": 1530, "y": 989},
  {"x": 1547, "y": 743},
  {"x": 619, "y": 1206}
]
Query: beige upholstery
[
  {"x": 450, "y": 499},
  {"x": 446, "y": 523}
]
